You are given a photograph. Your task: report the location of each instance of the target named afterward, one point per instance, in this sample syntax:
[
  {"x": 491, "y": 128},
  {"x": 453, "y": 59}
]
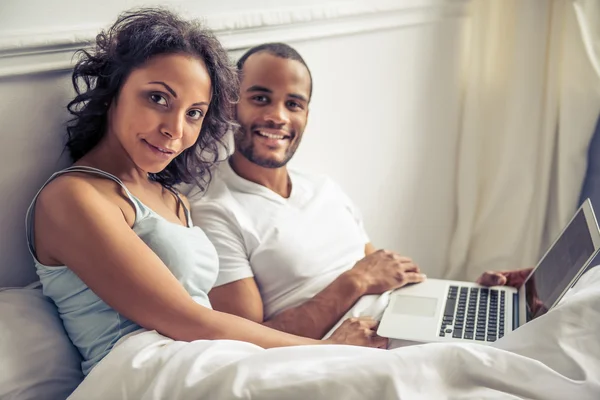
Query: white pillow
[{"x": 37, "y": 359}]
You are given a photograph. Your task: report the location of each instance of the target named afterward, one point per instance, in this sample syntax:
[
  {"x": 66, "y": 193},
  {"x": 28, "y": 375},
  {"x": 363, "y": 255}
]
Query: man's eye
[
  {"x": 260, "y": 99},
  {"x": 293, "y": 104},
  {"x": 158, "y": 99}
]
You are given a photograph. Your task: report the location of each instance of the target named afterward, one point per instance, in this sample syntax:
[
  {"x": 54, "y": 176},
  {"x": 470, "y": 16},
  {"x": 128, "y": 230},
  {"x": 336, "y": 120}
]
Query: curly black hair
[{"x": 135, "y": 37}]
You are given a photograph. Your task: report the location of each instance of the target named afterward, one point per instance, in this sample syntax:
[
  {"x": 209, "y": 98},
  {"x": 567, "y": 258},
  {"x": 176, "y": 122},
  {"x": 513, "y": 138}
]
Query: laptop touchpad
[{"x": 416, "y": 306}]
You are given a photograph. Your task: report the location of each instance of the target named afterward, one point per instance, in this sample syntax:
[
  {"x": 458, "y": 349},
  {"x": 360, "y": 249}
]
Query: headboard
[
  {"x": 32, "y": 116},
  {"x": 357, "y": 50}
]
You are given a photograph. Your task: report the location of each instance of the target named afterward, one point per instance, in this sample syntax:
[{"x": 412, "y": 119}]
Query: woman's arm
[
  {"x": 314, "y": 318},
  {"x": 88, "y": 233}
]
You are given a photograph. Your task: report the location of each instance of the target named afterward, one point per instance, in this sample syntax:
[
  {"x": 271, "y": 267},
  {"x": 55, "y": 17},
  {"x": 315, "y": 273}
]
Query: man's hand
[
  {"x": 385, "y": 270},
  {"x": 513, "y": 278},
  {"x": 358, "y": 332}
]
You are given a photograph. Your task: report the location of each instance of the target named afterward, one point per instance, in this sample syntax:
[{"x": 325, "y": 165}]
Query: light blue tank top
[{"x": 91, "y": 324}]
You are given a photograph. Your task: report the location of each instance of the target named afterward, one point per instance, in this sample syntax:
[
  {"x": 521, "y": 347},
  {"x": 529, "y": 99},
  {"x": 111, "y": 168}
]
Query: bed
[{"x": 554, "y": 357}]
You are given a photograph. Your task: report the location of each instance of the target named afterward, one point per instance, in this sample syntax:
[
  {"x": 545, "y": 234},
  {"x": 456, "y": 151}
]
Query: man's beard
[{"x": 244, "y": 143}]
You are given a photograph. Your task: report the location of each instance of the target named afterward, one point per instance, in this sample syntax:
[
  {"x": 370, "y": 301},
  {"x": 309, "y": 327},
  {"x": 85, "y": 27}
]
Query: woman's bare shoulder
[{"x": 71, "y": 192}]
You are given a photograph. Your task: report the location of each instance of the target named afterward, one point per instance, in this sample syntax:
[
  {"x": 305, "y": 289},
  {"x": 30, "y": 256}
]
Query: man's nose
[{"x": 278, "y": 114}]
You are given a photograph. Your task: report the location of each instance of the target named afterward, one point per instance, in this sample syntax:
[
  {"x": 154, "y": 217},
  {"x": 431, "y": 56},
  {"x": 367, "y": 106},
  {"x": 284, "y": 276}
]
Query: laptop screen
[{"x": 559, "y": 267}]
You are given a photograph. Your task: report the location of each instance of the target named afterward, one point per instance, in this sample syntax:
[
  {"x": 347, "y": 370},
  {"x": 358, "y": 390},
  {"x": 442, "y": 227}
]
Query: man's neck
[{"x": 275, "y": 179}]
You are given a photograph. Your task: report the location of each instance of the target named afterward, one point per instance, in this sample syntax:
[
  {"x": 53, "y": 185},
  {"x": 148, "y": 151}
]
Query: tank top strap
[
  {"x": 138, "y": 206},
  {"x": 188, "y": 217}
]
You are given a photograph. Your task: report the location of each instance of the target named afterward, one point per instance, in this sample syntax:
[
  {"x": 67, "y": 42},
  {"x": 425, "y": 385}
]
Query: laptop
[{"x": 443, "y": 310}]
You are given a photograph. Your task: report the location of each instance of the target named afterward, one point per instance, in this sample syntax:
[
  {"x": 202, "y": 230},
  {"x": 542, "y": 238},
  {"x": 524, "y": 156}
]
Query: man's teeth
[{"x": 270, "y": 135}]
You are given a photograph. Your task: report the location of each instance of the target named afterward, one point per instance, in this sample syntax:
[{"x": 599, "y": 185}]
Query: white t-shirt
[{"x": 293, "y": 247}]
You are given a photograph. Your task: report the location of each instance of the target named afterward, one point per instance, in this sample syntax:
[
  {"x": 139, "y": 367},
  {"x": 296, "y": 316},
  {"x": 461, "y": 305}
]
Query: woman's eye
[
  {"x": 196, "y": 114},
  {"x": 158, "y": 99},
  {"x": 293, "y": 104}
]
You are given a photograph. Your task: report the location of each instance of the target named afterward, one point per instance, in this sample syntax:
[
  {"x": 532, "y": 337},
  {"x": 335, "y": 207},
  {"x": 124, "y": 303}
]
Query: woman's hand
[{"x": 359, "y": 332}]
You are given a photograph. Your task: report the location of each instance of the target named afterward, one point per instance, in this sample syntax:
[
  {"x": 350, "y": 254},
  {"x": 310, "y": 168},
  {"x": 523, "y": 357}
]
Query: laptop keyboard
[{"x": 474, "y": 313}]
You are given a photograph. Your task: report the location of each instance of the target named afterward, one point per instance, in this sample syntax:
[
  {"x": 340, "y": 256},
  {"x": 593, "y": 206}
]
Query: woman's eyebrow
[
  {"x": 174, "y": 94},
  {"x": 169, "y": 89}
]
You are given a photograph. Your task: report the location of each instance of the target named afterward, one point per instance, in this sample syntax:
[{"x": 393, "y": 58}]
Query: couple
[{"x": 271, "y": 256}]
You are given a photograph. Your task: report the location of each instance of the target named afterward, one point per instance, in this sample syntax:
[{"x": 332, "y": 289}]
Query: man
[{"x": 293, "y": 251}]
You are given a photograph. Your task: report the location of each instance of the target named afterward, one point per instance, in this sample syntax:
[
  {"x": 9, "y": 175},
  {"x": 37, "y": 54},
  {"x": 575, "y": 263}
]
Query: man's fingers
[
  {"x": 497, "y": 280},
  {"x": 521, "y": 274},
  {"x": 510, "y": 278},
  {"x": 410, "y": 267},
  {"x": 523, "y": 271},
  {"x": 516, "y": 278},
  {"x": 513, "y": 278},
  {"x": 482, "y": 278},
  {"x": 492, "y": 278},
  {"x": 414, "y": 277}
]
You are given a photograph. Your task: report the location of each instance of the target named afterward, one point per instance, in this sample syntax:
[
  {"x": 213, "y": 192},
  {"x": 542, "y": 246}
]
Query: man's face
[{"x": 272, "y": 110}]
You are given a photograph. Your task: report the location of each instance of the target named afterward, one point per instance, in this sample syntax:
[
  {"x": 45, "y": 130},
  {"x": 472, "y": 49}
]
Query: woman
[{"x": 112, "y": 240}]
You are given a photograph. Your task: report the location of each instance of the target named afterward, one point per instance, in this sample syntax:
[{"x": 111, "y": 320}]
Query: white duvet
[{"x": 556, "y": 356}]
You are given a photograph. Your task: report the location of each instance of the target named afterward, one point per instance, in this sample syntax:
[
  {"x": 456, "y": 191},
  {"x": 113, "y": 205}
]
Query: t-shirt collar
[{"x": 235, "y": 181}]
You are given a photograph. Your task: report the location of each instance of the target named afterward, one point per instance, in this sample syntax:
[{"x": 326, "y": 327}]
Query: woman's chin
[{"x": 154, "y": 168}]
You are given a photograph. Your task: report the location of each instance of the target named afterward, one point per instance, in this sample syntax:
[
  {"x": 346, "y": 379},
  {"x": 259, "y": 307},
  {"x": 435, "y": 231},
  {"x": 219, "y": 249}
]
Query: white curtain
[{"x": 531, "y": 101}]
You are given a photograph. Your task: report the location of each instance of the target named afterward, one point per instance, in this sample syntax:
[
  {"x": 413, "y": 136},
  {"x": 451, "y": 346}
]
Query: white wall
[
  {"x": 383, "y": 122},
  {"x": 27, "y": 16}
]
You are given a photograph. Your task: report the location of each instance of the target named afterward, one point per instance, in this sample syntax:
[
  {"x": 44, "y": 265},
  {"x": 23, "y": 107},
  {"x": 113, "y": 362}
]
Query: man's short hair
[{"x": 280, "y": 50}]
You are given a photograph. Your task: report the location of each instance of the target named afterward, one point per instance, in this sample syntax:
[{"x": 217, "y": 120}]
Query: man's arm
[
  {"x": 377, "y": 272},
  {"x": 312, "y": 319},
  {"x": 237, "y": 292}
]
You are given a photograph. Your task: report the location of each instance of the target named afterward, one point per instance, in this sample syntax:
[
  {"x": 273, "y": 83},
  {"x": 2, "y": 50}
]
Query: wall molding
[{"x": 42, "y": 52}]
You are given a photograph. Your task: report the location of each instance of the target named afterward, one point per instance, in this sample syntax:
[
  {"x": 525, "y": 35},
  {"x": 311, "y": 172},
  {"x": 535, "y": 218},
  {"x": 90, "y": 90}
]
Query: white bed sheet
[{"x": 556, "y": 356}]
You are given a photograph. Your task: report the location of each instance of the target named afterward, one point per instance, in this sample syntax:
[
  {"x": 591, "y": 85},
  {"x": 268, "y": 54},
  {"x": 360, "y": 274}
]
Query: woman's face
[{"x": 160, "y": 109}]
